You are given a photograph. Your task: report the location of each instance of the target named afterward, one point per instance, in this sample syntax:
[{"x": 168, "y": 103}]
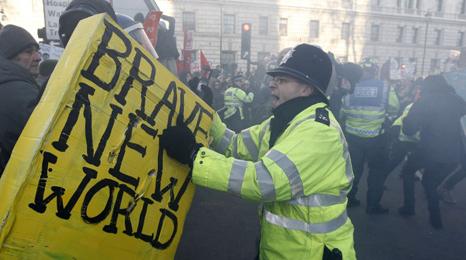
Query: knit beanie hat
[{"x": 14, "y": 40}]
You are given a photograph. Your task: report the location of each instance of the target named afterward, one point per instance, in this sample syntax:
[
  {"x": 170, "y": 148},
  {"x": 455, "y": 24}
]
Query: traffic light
[{"x": 246, "y": 41}]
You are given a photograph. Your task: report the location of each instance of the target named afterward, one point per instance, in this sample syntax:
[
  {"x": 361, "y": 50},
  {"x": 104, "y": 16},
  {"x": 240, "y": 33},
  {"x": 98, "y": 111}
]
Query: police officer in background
[
  {"x": 234, "y": 100},
  {"x": 296, "y": 163},
  {"x": 364, "y": 115}
]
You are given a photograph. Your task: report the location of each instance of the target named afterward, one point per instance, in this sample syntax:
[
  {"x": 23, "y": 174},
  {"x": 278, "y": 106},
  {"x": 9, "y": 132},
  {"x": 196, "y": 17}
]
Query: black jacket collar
[{"x": 284, "y": 113}]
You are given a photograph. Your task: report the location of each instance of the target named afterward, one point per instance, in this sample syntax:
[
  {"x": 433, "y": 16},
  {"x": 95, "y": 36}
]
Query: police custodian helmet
[
  {"x": 78, "y": 10},
  {"x": 306, "y": 63}
]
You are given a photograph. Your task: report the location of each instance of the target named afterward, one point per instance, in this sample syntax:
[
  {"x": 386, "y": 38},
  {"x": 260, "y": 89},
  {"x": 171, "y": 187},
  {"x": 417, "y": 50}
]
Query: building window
[
  {"x": 345, "y": 31},
  {"x": 263, "y": 25},
  {"x": 400, "y": 35},
  {"x": 438, "y": 37},
  {"x": 261, "y": 56},
  {"x": 434, "y": 65},
  {"x": 463, "y": 7},
  {"x": 347, "y": 4},
  {"x": 418, "y": 4},
  {"x": 411, "y": 4},
  {"x": 460, "y": 42},
  {"x": 415, "y": 35},
  {"x": 314, "y": 29},
  {"x": 398, "y": 3},
  {"x": 229, "y": 23},
  {"x": 189, "y": 21},
  {"x": 283, "y": 27},
  {"x": 375, "y": 31},
  {"x": 439, "y": 6},
  {"x": 228, "y": 57}
]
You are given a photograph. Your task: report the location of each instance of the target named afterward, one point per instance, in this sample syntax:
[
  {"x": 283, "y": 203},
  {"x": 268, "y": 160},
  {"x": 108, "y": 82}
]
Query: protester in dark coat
[
  {"x": 166, "y": 44},
  {"x": 437, "y": 116},
  {"x": 19, "y": 91},
  {"x": 348, "y": 75}
]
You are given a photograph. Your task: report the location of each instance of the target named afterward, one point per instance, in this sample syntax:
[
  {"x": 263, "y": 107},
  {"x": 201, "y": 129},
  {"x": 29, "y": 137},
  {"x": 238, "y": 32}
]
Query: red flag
[
  {"x": 151, "y": 24},
  {"x": 205, "y": 66},
  {"x": 204, "y": 62}
]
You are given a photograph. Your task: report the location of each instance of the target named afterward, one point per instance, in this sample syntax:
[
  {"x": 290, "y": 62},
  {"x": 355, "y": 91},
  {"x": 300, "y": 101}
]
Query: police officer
[
  {"x": 296, "y": 163},
  {"x": 364, "y": 114},
  {"x": 235, "y": 98}
]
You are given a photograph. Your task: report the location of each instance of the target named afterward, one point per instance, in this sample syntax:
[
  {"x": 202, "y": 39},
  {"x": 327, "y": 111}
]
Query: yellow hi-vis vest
[
  {"x": 399, "y": 122},
  {"x": 365, "y": 109},
  {"x": 302, "y": 181},
  {"x": 234, "y": 99}
]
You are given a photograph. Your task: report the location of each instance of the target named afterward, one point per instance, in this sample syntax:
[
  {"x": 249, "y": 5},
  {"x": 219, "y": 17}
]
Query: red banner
[{"x": 151, "y": 24}]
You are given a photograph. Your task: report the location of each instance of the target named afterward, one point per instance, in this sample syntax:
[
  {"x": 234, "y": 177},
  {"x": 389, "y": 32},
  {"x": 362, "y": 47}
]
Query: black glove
[
  {"x": 180, "y": 144},
  {"x": 334, "y": 254}
]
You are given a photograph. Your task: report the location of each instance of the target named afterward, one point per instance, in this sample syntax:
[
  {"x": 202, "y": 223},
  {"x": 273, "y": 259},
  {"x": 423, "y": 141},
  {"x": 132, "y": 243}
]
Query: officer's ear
[{"x": 307, "y": 90}]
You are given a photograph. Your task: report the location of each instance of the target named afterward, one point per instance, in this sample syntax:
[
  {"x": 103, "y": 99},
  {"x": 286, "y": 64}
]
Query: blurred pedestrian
[
  {"x": 19, "y": 64},
  {"x": 166, "y": 43},
  {"x": 235, "y": 98}
]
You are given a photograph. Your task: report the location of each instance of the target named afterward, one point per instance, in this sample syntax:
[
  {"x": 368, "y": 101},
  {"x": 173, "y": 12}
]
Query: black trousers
[
  {"x": 456, "y": 177},
  {"x": 374, "y": 152},
  {"x": 434, "y": 174},
  {"x": 413, "y": 164}
]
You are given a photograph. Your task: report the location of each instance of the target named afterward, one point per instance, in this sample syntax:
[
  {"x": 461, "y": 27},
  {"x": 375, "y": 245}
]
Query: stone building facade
[
  {"x": 351, "y": 29},
  {"x": 25, "y": 13}
]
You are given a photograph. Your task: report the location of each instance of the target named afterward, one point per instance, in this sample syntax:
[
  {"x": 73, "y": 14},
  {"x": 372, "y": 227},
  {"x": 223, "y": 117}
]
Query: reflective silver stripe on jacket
[
  {"x": 319, "y": 200},
  {"x": 365, "y": 108},
  {"x": 250, "y": 145},
  {"x": 363, "y": 132},
  {"x": 289, "y": 168},
  {"x": 262, "y": 134},
  {"x": 227, "y": 137},
  {"x": 301, "y": 121},
  {"x": 346, "y": 155},
  {"x": 318, "y": 228},
  {"x": 237, "y": 176},
  {"x": 265, "y": 181},
  {"x": 352, "y": 114}
]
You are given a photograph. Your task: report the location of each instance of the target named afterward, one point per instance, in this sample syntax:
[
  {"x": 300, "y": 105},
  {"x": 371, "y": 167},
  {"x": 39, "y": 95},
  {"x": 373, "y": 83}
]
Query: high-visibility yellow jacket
[
  {"x": 302, "y": 181},
  {"x": 234, "y": 99},
  {"x": 364, "y": 111},
  {"x": 399, "y": 122}
]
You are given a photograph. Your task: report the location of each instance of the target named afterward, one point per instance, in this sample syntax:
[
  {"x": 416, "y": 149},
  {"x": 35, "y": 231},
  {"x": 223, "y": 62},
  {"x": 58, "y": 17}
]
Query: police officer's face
[
  {"x": 285, "y": 88},
  {"x": 29, "y": 59}
]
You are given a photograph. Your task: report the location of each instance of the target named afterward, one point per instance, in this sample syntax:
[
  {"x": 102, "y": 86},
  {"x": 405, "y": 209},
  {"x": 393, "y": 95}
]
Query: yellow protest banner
[{"x": 87, "y": 177}]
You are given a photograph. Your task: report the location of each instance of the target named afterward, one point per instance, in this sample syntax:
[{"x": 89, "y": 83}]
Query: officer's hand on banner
[{"x": 180, "y": 144}]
